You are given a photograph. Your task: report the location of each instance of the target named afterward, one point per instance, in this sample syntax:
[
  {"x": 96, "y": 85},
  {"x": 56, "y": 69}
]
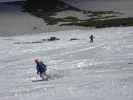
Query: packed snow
[{"x": 78, "y": 69}]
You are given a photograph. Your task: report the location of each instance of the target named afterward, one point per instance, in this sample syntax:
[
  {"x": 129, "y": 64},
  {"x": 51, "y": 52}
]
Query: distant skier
[
  {"x": 91, "y": 38},
  {"x": 41, "y": 69}
]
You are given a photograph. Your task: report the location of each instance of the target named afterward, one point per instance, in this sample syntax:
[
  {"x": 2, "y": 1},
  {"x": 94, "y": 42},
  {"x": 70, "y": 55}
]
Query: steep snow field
[{"x": 78, "y": 70}]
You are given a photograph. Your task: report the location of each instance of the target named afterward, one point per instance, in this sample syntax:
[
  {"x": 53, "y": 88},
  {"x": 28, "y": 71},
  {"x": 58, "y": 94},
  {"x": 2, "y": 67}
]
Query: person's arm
[
  {"x": 37, "y": 68},
  {"x": 44, "y": 66}
]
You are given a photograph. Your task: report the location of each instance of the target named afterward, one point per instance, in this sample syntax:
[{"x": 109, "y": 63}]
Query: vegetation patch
[{"x": 104, "y": 23}]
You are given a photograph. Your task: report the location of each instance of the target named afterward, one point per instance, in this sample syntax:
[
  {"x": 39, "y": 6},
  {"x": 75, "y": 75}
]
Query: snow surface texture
[{"x": 78, "y": 69}]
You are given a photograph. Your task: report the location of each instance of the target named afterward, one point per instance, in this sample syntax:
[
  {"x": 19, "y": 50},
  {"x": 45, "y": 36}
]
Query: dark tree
[{"x": 46, "y": 5}]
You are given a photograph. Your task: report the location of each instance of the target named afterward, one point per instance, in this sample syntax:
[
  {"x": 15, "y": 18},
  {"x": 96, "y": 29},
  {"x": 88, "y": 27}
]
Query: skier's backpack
[{"x": 44, "y": 67}]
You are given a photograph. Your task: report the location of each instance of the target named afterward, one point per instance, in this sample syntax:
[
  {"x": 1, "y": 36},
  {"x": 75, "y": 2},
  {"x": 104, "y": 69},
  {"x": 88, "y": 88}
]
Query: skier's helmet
[{"x": 36, "y": 60}]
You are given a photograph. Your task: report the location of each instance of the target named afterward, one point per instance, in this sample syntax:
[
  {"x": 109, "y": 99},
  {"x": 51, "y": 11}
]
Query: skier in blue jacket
[{"x": 41, "y": 69}]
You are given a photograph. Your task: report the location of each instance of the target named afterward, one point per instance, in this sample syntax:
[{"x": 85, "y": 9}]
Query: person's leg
[{"x": 43, "y": 76}]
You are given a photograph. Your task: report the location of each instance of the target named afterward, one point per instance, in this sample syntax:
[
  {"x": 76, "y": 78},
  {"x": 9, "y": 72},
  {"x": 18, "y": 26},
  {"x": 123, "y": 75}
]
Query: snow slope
[{"x": 78, "y": 70}]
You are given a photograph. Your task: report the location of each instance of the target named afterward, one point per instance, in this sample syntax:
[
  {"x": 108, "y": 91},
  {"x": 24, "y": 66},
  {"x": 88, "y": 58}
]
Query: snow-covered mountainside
[
  {"x": 78, "y": 69},
  {"x": 123, "y": 6}
]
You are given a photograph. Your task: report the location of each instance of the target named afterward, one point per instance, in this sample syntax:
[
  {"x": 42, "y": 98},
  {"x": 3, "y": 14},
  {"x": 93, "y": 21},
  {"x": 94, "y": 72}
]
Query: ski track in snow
[{"x": 78, "y": 69}]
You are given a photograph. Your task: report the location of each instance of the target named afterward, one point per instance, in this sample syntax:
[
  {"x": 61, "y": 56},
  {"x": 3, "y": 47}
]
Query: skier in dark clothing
[
  {"x": 91, "y": 38},
  {"x": 41, "y": 69}
]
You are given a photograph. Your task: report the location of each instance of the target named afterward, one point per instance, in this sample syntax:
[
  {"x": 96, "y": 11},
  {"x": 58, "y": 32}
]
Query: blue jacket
[{"x": 41, "y": 67}]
